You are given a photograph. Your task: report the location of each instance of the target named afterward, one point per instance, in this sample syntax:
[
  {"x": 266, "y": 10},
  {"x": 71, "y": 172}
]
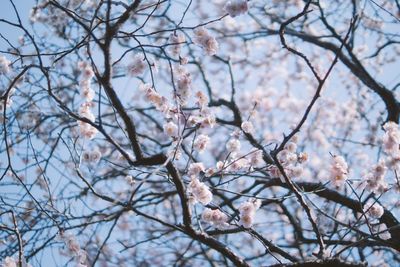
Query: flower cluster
[
  {"x": 238, "y": 164},
  {"x": 183, "y": 83},
  {"x": 4, "y": 65},
  {"x": 236, "y": 7},
  {"x": 233, "y": 145},
  {"x": 339, "y": 171},
  {"x": 11, "y": 262},
  {"x": 45, "y": 13},
  {"x": 87, "y": 130},
  {"x": 382, "y": 231},
  {"x": 8, "y": 101},
  {"x": 177, "y": 39},
  {"x": 201, "y": 142},
  {"x": 373, "y": 209},
  {"x": 206, "y": 41},
  {"x": 256, "y": 158},
  {"x": 290, "y": 160},
  {"x": 215, "y": 217},
  {"x": 4, "y": 69},
  {"x": 247, "y": 127},
  {"x": 199, "y": 192},
  {"x": 195, "y": 168},
  {"x": 137, "y": 66},
  {"x": 202, "y": 99},
  {"x": 171, "y": 129},
  {"x": 205, "y": 118},
  {"x": 74, "y": 248},
  {"x": 374, "y": 180},
  {"x": 87, "y": 75},
  {"x": 159, "y": 101},
  {"x": 391, "y": 139},
  {"x": 248, "y": 211}
]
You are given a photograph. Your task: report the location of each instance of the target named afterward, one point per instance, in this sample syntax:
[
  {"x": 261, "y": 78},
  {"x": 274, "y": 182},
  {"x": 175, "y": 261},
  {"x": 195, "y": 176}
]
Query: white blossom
[
  {"x": 215, "y": 217},
  {"x": 199, "y": 191},
  {"x": 9, "y": 262},
  {"x": 339, "y": 171},
  {"x": 247, "y": 212},
  {"x": 4, "y": 65},
  {"x": 391, "y": 139},
  {"x": 87, "y": 130},
  {"x": 247, "y": 127},
  {"x": 382, "y": 230},
  {"x": 195, "y": 168},
  {"x": 374, "y": 180},
  {"x": 233, "y": 145},
  {"x": 373, "y": 209},
  {"x": 291, "y": 147},
  {"x": 238, "y": 164},
  {"x": 201, "y": 142},
  {"x": 171, "y": 129},
  {"x": 296, "y": 171},
  {"x": 256, "y": 158}
]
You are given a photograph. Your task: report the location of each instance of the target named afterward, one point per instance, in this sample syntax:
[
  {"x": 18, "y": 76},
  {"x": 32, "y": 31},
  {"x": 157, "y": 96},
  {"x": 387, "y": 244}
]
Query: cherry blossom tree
[{"x": 200, "y": 133}]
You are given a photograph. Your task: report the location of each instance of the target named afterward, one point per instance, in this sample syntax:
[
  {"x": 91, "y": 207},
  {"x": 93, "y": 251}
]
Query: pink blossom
[
  {"x": 177, "y": 39},
  {"x": 137, "y": 66},
  {"x": 236, "y": 7},
  {"x": 206, "y": 41}
]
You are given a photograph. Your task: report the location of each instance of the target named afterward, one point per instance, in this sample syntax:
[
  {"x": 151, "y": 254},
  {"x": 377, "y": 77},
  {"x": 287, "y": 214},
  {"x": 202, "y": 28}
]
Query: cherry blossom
[
  {"x": 171, "y": 129},
  {"x": 279, "y": 119},
  {"x": 206, "y": 41},
  {"x": 247, "y": 127},
  {"x": 215, "y": 217},
  {"x": 201, "y": 142},
  {"x": 373, "y": 209},
  {"x": 236, "y": 7},
  {"x": 137, "y": 65},
  {"x": 247, "y": 212},
  {"x": 200, "y": 192},
  {"x": 233, "y": 145},
  {"x": 339, "y": 171},
  {"x": 4, "y": 65}
]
